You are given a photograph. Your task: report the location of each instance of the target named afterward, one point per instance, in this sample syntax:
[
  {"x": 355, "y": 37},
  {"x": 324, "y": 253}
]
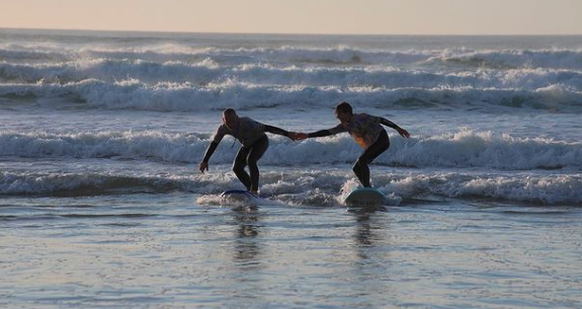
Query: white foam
[
  {"x": 314, "y": 187},
  {"x": 463, "y": 149},
  {"x": 168, "y": 96},
  {"x": 512, "y": 58},
  {"x": 208, "y": 72},
  {"x": 178, "y": 76},
  {"x": 545, "y": 189}
]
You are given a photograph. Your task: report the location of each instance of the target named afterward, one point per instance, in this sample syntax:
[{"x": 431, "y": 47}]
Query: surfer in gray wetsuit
[
  {"x": 251, "y": 134},
  {"x": 368, "y": 133}
]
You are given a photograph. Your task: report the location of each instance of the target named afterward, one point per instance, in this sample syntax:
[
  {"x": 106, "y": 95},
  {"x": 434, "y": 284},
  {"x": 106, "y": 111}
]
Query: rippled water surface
[{"x": 167, "y": 251}]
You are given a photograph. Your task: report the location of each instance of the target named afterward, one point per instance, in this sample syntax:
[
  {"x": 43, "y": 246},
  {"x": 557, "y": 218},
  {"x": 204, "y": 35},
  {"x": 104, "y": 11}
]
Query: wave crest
[{"x": 464, "y": 149}]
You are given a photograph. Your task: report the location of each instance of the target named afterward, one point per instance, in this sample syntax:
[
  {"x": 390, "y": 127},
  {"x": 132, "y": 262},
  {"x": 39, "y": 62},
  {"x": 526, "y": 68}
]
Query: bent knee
[
  {"x": 237, "y": 167},
  {"x": 358, "y": 165},
  {"x": 252, "y": 162}
]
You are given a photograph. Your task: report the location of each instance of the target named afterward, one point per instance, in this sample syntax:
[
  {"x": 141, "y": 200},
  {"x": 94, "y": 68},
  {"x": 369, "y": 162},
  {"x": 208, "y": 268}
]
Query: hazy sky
[{"x": 300, "y": 16}]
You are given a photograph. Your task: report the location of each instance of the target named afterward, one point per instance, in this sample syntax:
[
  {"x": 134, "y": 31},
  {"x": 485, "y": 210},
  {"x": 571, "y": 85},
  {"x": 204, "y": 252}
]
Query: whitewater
[{"x": 101, "y": 134}]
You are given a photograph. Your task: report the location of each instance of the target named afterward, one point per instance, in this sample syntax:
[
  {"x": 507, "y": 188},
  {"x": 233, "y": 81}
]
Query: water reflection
[
  {"x": 246, "y": 246},
  {"x": 371, "y": 265},
  {"x": 247, "y": 250},
  {"x": 371, "y": 226}
]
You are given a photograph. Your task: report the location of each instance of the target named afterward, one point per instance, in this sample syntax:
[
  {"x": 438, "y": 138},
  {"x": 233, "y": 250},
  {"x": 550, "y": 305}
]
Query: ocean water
[{"x": 102, "y": 205}]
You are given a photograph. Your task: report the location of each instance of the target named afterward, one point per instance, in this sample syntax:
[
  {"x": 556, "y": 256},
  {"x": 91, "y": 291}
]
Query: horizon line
[{"x": 272, "y": 33}]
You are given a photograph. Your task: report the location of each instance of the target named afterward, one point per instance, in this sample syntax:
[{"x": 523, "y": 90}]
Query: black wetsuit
[
  {"x": 249, "y": 154},
  {"x": 370, "y": 124},
  {"x": 361, "y": 166}
]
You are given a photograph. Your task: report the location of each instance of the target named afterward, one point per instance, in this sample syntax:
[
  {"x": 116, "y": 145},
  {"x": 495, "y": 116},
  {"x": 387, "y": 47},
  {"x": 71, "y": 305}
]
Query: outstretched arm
[
  {"x": 277, "y": 131},
  {"x": 394, "y": 126},
  {"x": 209, "y": 151},
  {"x": 321, "y": 133}
]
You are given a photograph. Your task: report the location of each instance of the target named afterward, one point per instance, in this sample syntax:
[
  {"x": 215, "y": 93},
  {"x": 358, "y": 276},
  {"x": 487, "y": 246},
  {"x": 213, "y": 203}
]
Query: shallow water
[{"x": 166, "y": 251}]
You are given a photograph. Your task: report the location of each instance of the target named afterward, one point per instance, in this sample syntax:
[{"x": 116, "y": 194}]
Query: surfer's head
[
  {"x": 343, "y": 112},
  {"x": 229, "y": 117}
]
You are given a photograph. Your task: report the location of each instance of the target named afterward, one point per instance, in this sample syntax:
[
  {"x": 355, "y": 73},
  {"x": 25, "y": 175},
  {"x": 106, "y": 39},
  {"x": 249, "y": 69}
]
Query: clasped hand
[{"x": 297, "y": 136}]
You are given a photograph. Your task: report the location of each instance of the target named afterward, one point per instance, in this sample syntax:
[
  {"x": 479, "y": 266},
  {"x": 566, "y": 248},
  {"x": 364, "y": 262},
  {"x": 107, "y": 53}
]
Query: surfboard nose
[{"x": 365, "y": 197}]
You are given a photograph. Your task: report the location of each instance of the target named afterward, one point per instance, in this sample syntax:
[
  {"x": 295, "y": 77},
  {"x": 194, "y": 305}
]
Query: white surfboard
[
  {"x": 239, "y": 195},
  {"x": 365, "y": 197}
]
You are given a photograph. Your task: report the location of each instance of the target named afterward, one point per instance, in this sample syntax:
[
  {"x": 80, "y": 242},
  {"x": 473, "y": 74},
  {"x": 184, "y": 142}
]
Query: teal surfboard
[{"x": 365, "y": 197}]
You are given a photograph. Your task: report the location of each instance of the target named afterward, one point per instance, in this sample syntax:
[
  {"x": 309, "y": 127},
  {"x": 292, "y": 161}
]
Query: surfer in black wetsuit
[
  {"x": 368, "y": 133},
  {"x": 251, "y": 135}
]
